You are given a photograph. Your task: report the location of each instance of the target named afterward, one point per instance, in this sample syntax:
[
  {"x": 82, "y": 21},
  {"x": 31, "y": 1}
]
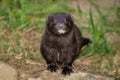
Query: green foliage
[
  {"x": 79, "y": 10},
  {"x": 99, "y": 43},
  {"x": 28, "y": 13},
  {"x": 118, "y": 15}
]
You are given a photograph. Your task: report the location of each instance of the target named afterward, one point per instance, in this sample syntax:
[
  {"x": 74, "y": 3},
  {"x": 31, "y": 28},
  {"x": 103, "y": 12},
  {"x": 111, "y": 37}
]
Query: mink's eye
[
  {"x": 52, "y": 23},
  {"x": 66, "y": 22}
]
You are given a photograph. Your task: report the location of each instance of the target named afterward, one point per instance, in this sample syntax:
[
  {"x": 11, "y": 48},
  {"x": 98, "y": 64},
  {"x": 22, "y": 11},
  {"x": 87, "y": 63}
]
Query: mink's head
[{"x": 59, "y": 23}]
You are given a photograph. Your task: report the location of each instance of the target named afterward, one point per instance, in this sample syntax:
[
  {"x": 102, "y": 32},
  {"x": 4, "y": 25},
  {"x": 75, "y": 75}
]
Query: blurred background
[{"x": 22, "y": 23}]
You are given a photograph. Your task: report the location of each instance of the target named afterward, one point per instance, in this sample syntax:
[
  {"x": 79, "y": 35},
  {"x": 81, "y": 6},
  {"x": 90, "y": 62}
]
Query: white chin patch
[{"x": 61, "y": 31}]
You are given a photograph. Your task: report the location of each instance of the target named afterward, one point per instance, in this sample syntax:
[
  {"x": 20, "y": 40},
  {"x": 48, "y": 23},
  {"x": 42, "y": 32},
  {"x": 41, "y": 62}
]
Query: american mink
[{"x": 61, "y": 42}]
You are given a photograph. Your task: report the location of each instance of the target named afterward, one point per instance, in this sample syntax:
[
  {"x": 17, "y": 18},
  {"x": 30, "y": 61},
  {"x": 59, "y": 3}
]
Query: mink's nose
[{"x": 61, "y": 26}]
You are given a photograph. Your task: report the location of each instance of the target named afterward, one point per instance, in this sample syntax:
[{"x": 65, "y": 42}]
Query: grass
[
  {"x": 99, "y": 43},
  {"x": 22, "y": 24},
  {"x": 25, "y": 13},
  {"x": 99, "y": 40},
  {"x": 100, "y": 46}
]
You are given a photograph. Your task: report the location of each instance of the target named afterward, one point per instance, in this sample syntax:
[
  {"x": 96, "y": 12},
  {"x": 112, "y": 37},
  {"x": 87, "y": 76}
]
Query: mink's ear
[
  {"x": 68, "y": 14},
  {"x": 69, "y": 18},
  {"x": 49, "y": 19}
]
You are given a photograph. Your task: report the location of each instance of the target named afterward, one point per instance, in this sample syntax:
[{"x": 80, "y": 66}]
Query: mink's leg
[
  {"x": 67, "y": 69},
  {"x": 50, "y": 57},
  {"x": 67, "y": 64},
  {"x": 52, "y": 67}
]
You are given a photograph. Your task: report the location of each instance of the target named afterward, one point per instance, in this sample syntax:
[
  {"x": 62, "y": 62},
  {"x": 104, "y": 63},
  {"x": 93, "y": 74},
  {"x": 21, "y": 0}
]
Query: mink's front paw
[
  {"x": 52, "y": 67},
  {"x": 67, "y": 70}
]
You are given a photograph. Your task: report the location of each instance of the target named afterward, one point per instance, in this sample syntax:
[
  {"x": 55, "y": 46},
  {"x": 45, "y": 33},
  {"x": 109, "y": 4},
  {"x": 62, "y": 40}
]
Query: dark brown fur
[{"x": 61, "y": 48}]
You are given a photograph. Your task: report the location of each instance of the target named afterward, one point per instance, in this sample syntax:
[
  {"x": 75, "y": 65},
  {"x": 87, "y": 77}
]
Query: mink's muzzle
[{"x": 61, "y": 28}]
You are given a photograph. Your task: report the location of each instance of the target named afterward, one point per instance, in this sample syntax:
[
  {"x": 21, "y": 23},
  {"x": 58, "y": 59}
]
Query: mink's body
[{"x": 61, "y": 42}]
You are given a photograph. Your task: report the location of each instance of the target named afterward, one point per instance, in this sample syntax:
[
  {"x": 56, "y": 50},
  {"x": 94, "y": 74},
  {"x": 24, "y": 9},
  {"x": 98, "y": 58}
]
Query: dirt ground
[{"x": 29, "y": 63}]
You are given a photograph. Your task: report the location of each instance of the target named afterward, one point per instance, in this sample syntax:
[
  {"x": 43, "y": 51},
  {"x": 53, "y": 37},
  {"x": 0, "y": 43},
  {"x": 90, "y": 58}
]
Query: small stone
[{"x": 7, "y": 72}]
